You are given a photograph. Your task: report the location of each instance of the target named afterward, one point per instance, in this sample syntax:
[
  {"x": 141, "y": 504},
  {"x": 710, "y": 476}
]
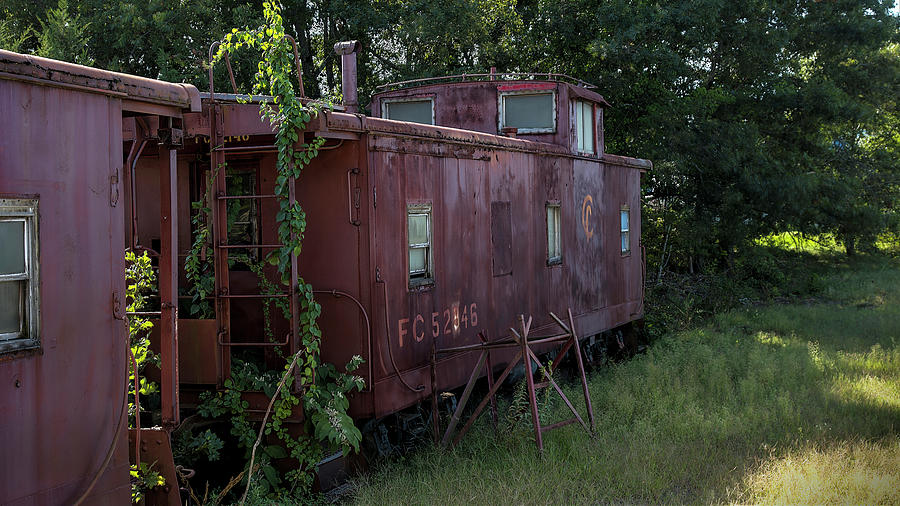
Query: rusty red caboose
[{"x": 451, "y": 209}]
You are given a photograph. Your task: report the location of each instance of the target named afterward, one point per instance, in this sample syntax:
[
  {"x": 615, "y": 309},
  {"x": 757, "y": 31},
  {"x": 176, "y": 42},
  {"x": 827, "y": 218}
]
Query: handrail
[{"x": 506, "y": 76}]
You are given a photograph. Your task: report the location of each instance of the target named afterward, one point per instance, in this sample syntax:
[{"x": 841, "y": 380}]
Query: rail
[{"x": 493, "y": 76}]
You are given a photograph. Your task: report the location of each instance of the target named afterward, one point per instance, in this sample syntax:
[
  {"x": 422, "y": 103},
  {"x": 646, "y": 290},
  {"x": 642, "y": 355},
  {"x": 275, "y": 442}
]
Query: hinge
[{"x": 114, "y": 188}]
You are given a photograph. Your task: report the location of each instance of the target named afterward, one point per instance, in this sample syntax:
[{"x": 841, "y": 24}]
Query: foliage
[
  {"x": 11, "y": 37},
  {"x": 518, "y": 414},
  {"x": 139, "y": 284},
  {"x": 144, "y": 479},
  {"x": 64, "y": 36},
  {"x": 198, "y": 266},
  {"x": 190, "y": 448}
]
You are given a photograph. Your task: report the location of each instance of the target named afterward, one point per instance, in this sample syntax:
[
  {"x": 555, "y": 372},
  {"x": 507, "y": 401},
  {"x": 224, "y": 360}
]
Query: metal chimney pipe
[{"x": 348, "y": 50}]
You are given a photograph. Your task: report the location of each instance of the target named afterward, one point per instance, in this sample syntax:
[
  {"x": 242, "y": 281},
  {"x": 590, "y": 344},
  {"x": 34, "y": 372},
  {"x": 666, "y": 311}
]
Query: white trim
[
  {"x": 28, "y": 337},
  {"x": 426, "y": 276}
]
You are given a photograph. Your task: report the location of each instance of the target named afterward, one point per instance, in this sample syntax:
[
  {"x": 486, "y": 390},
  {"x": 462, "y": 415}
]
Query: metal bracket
[
  {"x": 117, "y": 312},
  {"x": 114, "y": 188},
  {"x": 353, "y": 203}
]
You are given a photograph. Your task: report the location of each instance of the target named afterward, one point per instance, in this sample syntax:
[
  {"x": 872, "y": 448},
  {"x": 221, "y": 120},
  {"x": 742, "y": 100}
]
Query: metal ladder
[{"x": 223, "y": 295}]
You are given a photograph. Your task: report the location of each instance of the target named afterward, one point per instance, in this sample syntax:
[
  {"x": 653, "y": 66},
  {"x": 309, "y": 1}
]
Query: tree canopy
[{"x": 760, "y": 116}]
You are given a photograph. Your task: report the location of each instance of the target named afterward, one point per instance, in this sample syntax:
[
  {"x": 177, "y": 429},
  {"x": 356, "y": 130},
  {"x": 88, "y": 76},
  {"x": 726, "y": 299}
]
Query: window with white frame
[
  {"x": 19, "y": 317},
  {"x": 528, "y": 112},
  {"x": 415, "y": 110},
  {"x": 554, "y": 251},
  {"x": 625, "y": 229},
  {"x": 418, "y": 221},
  {"x": 584, "y": 126}
]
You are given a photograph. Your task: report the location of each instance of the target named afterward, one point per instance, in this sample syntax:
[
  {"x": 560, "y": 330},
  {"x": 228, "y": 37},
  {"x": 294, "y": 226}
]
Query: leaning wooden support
[{"x": 519, "y": 340}]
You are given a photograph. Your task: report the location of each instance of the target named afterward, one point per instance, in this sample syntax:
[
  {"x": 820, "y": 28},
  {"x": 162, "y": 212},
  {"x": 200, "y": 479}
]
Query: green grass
[{"x": 780, "y": 403}]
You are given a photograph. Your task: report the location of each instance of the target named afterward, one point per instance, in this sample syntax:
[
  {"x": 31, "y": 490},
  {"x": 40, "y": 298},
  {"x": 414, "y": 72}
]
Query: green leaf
[{"x": 276, "y": 452}]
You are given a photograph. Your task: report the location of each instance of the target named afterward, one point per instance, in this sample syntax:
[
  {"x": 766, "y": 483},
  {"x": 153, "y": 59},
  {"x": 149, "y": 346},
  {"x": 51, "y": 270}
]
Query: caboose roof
[{"x": 137, "y": 93}]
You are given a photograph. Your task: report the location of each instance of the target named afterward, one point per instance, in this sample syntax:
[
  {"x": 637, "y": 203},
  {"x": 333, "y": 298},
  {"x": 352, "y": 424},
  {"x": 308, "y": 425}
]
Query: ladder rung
[
  {"x": 237, "y": 197},
  {"x": 287, "y": 340},
  {"x": 254, "y": 296},
  {"x": 558, "y": 424},
  {"x": 248, "y": 246},
  {"x": 245, "y": 148},
  {"x": 543, "y": 384}
]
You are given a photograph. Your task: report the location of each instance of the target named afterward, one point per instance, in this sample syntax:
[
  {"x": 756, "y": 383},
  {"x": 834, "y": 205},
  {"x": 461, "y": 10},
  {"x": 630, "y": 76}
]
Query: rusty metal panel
[
  {"x": 65, "y": 147},
  {"x": 475, "y": 105}
]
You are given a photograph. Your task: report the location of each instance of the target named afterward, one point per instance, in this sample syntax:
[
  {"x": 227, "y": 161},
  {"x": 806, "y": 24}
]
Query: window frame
[
  {"x": 426, "y": 277},
  {"x": 558, "y": 259},
  {"x": 24, "y": 209},
  {"x": 386, "y": 106},
  {"x": 579, "y": 104},
  {"x": 625, "y": 233},
  {"x": 501, "y": 113}
]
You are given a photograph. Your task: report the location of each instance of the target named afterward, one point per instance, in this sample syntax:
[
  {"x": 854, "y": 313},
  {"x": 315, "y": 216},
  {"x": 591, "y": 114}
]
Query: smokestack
[{"x": 348, "y": 50}]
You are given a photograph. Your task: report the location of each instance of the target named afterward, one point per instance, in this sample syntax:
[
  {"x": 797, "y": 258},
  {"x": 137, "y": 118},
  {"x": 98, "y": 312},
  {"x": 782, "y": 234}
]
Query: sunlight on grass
[{"x": 847, "y": 473}]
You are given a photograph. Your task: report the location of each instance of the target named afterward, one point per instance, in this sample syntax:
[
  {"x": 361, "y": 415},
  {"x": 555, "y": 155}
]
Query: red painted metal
[
  {"x": 168, "y": 287},
  {"x": 61, "y": 142}
]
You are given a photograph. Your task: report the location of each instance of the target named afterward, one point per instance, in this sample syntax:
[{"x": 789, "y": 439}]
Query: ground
[{"x": 793, "y": 400}]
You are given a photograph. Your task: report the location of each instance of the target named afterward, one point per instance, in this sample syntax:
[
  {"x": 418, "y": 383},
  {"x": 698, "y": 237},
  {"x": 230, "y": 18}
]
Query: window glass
[
  {"x": 529, "y": 112},
  {"x": 416, "y": 111},
  {"x": 418, "y": 226},
  {"x": 10, "y": 308},
  {"x": 553, "y": 247},
  {"x": 12, "y": 254},
  {"x": 624, "y": 230},
  {"x": 584, "y": 126},
  {"x": 417, "y": 258}
]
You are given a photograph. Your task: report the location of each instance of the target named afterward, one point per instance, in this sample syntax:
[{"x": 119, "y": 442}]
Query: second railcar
[{"x": 419, "y": 231}]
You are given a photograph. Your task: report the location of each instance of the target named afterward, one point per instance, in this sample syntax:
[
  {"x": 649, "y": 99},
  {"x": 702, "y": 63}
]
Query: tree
[{"x": 63, "y": 36}]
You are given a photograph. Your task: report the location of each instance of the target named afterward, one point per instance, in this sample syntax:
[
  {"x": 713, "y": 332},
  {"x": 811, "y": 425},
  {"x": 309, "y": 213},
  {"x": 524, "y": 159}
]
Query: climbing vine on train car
[
  {"x": 198, "y": 267},
  {"x": 324, "y": 387}
]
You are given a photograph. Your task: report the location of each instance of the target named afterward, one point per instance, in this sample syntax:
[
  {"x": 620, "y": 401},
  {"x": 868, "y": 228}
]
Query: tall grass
[{"x": 760, "y": 404}]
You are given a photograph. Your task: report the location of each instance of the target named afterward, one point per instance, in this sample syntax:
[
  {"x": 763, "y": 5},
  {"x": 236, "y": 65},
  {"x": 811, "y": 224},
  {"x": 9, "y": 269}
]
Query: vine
[
  {"x": 323, "y": 386},
  {"x": 198, "y": 267}
]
